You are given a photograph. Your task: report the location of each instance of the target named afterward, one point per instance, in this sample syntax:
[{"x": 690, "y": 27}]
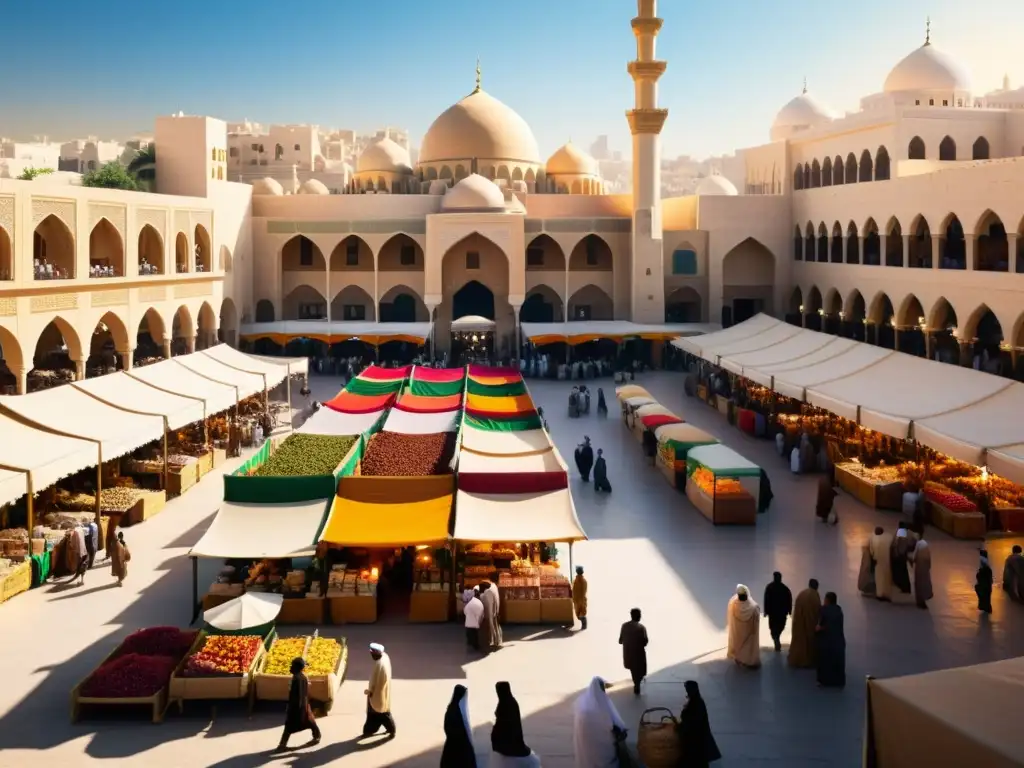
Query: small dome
[
  {"x": 928, "y": 69},
  {"x": 384, "y": 155},
  {"x": 480, "y": 127},
  {"x": 267, "y": 186},
  {"x": 314, "y": 187},
  {"x": 801, "y": 112},
  {"x": 572, "y": 160},
  {"x": 716, "y": 185},
  {"x": 474, "y": 193}
]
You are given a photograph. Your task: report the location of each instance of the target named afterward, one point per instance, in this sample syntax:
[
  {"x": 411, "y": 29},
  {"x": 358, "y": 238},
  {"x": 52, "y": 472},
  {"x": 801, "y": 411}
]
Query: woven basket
[{"x": 657, "y": 741}]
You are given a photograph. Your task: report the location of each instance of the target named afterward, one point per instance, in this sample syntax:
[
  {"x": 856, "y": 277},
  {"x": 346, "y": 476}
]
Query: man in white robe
[{"x": 744, "y": 624}]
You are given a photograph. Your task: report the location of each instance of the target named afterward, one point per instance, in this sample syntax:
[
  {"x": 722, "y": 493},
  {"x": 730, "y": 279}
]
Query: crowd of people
[
  {"x": 885, "y": 564},
  {"x": 82, "y": 545}
]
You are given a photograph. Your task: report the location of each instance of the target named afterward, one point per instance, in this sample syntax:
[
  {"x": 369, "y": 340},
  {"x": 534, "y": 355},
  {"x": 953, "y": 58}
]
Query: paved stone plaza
[{"x": 648, "y": 548}]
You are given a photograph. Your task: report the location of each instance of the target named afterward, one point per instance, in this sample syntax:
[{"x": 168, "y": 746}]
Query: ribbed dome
[
  {"x": 928, "y": 69},
  {"x": 572, "y": 160},
  {"x": 384, "y": 155},
  {"x": 314, "y": 187},
  {"x": 474, "y": 193},
  {"x": 801, "y": 112},
  {"x": 480, "y": 127},
  {"x": 716, "y": 185},
  {"x": 267, "y": 186}
]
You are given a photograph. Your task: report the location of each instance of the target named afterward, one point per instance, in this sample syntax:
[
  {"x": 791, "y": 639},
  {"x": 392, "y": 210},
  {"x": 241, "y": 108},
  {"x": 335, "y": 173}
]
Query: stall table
[
  {"x": 557, "y": 610},
  {"x": 301, "y": 610},
  {"x": 739, "y": 505},
  {"x": 959, "y": 525},
  {"x": 878, "y": 495},
  {"x": 429, "y": 606},
  {"x": 352, "y": 609}
]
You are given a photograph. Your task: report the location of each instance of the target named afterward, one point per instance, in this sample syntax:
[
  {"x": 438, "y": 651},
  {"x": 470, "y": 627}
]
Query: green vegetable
[{"x": 303, "y": 455}]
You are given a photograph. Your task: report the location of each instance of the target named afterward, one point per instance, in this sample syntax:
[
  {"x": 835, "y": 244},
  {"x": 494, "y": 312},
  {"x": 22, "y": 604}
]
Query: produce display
[
  {"x": 345, "y": 582},
  {"x": 111, "y": 499},
  {"x": 951, "y": 500},
  {"x": 722, "y": 486},
  {"x": 282, "y": 653},
  {"x": 306, "y": 455},
  {"x": 130, "y": 676},
  {"x": 223, "y": 655},
  {"x": 881, "y": 475},
  {"x": 322, "y": 656},
  {"x": 392, "y": 454},
  {"x": 158, "y": 641}
]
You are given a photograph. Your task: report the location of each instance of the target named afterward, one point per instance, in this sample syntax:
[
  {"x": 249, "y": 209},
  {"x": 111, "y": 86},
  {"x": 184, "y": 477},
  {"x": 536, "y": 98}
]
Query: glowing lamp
[
  {"x": 374, "y": 573},
  {"x": 801, "y": 308}
]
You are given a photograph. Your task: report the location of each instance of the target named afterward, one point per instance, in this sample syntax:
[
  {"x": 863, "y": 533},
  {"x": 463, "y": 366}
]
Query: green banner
[
  {"x": 503, "y": 425},
  {"x": 436, "y": 388},
  {"x": 360, "y": 386},
  {"x": 497, "y": 390}
]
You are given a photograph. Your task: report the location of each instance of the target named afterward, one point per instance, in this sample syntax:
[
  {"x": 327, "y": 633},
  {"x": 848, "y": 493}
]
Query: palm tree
[{"x": 143, "y": 165}]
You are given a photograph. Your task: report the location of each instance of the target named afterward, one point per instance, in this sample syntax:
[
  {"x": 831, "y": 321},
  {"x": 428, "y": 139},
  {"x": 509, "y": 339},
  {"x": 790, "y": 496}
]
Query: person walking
[
  {"x": 602, "y": 406},
  {"x": 922, "y": 559},
  {"x": 378, "y": 694},
  {"x": 298, "y": 714},
  {"x": 778, "y": 605},
  {"x": 743, "y": 623},
  {"x": 458, "y": 749},
  {"x": 826, "y": 497},
  {"x": 633, "y": 639},
  {"x": 474, "y": 611},
  {"x": 831, "y": 644},
  {"x": 803, "y": 646},
  {"x": 579, "y": 596},
  {"x": 598, "y": 728},
  {"x": 983, "y": 583},
  {"x": 584, "y": 458},
  {"x": 491, "y": 637},
  {"x": 1013, "y": 574},
  {"x": 119, "y": 558},
  {"x": 601, "y": 474},
  {"x": 696, "y": 742},
  {"x": 508, "y": 746}
]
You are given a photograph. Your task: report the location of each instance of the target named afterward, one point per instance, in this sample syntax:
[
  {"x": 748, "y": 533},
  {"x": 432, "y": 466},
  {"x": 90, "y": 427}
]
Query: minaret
[{"x": 645, "y": 122}]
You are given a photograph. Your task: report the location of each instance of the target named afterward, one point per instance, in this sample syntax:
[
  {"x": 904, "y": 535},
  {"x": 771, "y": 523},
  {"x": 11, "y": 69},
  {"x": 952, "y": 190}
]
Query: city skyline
[{"x": 721, "y": 95}]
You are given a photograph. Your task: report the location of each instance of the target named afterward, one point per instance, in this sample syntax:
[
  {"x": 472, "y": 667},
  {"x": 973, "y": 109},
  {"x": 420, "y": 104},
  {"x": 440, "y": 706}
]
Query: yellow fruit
[
  {"x": 323, "y": 656},
  {"x": 282, "y": 653}
]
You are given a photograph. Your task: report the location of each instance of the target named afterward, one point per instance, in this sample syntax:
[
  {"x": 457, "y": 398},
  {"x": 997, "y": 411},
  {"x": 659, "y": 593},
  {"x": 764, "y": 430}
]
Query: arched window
[
  {"x": 882, "y": 164},
  {"x": 867, "y": 167},
  {"x": 980, "y": 150},
  {"x": 851, "y": 168},
  {"x": 916, "y": 150},
  {"x": 838, "y": 171},
  {"x": 826, "y": 172},
  {"x": 947, "y": 149},
  {"x": 807, "y": 176}
]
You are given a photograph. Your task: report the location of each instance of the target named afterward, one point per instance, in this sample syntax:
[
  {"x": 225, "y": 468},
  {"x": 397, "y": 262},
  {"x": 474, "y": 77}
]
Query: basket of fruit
[
  {"x": 219, "y": 667},
  {"x": 326, "y": 662},
  {"x": 273, "y": 677}
]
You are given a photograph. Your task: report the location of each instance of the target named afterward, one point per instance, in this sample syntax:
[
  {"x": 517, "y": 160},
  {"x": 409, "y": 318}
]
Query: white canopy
[
  {"x": 855, "y": 358},
  {"x": 248, "y": 384},
  {"x": 43, "y": 455},
  {"x": 330, "y": 422},
  {"x": 547, "y": 516},
  {"x": 546, "y": 461},
  {"x": 791, "y": 349},
  {"x": 994, "y": 423},
  {"x": 295, "y": 365},
  {"x": 274, "y": 373},
  {"x": 122, "y": 391},
  {"x": 253, "y": 609},
  {"x": 766, "y": 339},
  {"x": 263, "y": 530},
  {"x": 338, "y": 331},
  {"x": 177, "y": 379},
  {"x": 1008, "y": 462},
  {"x": 696, "y": 345},
  {"x": 762, "y": 373},
  {"x": 412, "y": 423},
  {"x": 72, "y": 412},
  {"x": 499, "y": 443},
  {"x": 614, "y": 328}
]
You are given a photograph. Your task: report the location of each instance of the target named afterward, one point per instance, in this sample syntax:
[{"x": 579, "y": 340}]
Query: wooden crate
[
  {"x": 666, "y": 469},
  {"x": 425, "y": 607},
  {"x": 157, "y": 703},
  {"x": 181, "y": 481},
  {"x": 152, "y": 503},
  {"x": 220, "y": 457},
  {"x": 959, "y": 525},
  {"x": 522, "y": 611},
  {"x": 17, "y": 581},
  {"x": 322, "y": 688},
  {"x": 296, "y": 610},
  {"x": 358, "y": 609},
  {"x": 1011, "y": 519},
  {"x": 182, "y": 689},
  {"x": 205, "y": 463},
  {"x": 557, "y": 610},
  {"x": 856, "y": 486}
]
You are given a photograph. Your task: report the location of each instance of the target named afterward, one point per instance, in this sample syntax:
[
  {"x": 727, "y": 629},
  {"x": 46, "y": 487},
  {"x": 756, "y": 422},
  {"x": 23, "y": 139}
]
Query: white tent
[
  {"x": 247, "y": 384},
  {"x": 613, "y": 329},
  {"x": 330, "y": 422},
  {"x": 177, "y": 379},
  {"x": 769, "y": 337},
  {"x": 414, "y": 423},
  {"x": 505, "y": 443},
  {"x": 792, "y": 349},
  {"x": 763, "y": 372},
  {"x": 263, "y": 530},
  {"x": 273, "y": 373},
  {"x": 796, "y": 381},
  {"x": 696, "y": 345},
  {"x": 74, "y": 413},
  {"x": 45, "y": 456},
  {"x": 547, "y": 516},
  {"x": 295, "y": 365},
  {"x": 122, "y": 391},
  {"x": 337, "y": 331}
]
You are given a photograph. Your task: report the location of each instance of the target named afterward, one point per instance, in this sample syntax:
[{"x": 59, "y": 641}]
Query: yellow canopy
[
  {"x": 505, "y": 404},
  {"x": 390, "y": 511}
]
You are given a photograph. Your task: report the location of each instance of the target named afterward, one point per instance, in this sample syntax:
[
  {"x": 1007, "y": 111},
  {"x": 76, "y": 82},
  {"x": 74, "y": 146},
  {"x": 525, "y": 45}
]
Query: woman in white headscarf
[
  {"x": 597, "y": 728},
  {"x": 744, "y": 623},
  {"x": 458, "y": 738}
]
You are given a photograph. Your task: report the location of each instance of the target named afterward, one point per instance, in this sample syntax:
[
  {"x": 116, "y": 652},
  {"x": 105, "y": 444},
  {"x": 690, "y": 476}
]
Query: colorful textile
[
  {"x": 745, "y": 420},
  {"x": 390, "y": 511},
  {"x": 423, "y": 404},
  {"x": 347, "y": 402},
  {"x": 516, "y": 482},
  {"x": 656, "y": 420},
  {"x": 40, "y": 568},
  {"x": 498, "y": 424},
  {"x": 361, "y": 386},
  {"x": 486, "y": 371},
  {"x": 511, "y": 389},
  {"x": 509, "y": 404},
  {"x": 436, "y": 388},
  {"x": 502, "y": 415},
  {"x": 438, "y": 375},
  {"x": 385, "y": 374}
]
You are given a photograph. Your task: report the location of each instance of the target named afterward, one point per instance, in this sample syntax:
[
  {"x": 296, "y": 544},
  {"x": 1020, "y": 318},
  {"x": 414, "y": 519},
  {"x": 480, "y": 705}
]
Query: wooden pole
[
  {"x": 99, "y": 486},
  {"x": 29, "y": 505},
  {"x": 166, "y": 470},
  {"x": 288, "y": 389},
  {"x": 195, "y": 590}
]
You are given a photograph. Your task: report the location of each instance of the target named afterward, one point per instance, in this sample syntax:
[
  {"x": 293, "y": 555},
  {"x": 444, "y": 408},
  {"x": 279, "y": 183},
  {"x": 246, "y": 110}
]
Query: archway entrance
[
  {"x": 473, "y": 326},
  {"x": 475, "y": 283},
  {"x": 149, "y": 339},
  {"x": 683, "y": 306},
  {"x": 57, "y": 352},
  {"x": 109, "y": 338},
  {"x": 474, "y": 298},
  {"x": 542, "y": 305},
  {"x": 748, "y": 281}
]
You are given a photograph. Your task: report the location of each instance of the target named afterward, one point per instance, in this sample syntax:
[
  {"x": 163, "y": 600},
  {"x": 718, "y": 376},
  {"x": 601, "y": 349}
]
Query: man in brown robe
[
  {"x": 803, "y": 642},
  {"x": 490, "y": 627},
  {"x": 880, "y": 549},
  {"x": 633, "y": 639},
  {"x": 119, "y": 558},
  {"x": 579, "y": 596},
  {"x": 922, "y": 558}
]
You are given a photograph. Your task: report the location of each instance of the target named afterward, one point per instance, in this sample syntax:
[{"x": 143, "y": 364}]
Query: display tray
[
  {"x": 205, "y": 462},
  {"x": 182, "y": 689},
  {"x": 731, "y": 510},
  {"x": 17, "y": 581},
  {"x": 358, "y": 609},
  {"x": 722, "y": 404},
  {"x": 425, "y": 607},
  {"x": 557, "y": 610},
  {"x": 157, "y": 703},
  {"x": 322, "y": 688},
  {"x": 876, "y": 495},
  {"x": 521, "y": 611},
  {"x": 959, "y": 525},
  {"x": 1011, "y": 519},
  {"x": 301, "y": 610},
  {"x": 180, "y": 481}
]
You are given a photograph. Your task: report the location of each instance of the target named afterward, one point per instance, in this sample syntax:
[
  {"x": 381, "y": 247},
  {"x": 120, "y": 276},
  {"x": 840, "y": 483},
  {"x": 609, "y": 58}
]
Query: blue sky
[{"x": 111, "y": 66}]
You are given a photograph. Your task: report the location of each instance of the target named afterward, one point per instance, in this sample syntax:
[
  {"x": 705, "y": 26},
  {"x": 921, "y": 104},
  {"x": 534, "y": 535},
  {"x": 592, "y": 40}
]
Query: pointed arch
[
  {"x": 226, "y": 260},
  {"x": 813, "y": 302},
  {"x": 942, "y": 315},
  {"x": 983, "y": 325},
  {"x": 6, "y": 255},
  {"x": 151, "y": 251},
  {"x": 872, "y": 245},
  {"x": 353, "y": 303},
  {"x": 826, "y": 172},
  {"x": 401, "y": 253},
  {"x": 591, "y": 254},
  {"x": 352, "y": 254},
  {"x": 401, "y": 304},
  {"x": 798, "y": 244},
  {"x": 204, "y": 250},
  {"x": 952, "y": 244},
  {"x": 543, "y": 304},
  {"x": 980, "y": 149},
  {"x": 181, "y": 257},
  {"x": 867, "y": 167},
  {"x": 183, "y": 325},
  {"x": 838, "y": 171},
  {"x": 911, "y": 312},
  {"x": 106, "y": 250},
  {"x": 11, "y": 352},
  {"x": 265, "y": 311},
  {"x": 798, "y": 178},
  {"x": 992, "y": 248},
  {"x": 882, "y": 169},
  {"x": 894, "y": 256},
  {"x": 796, "y": 300},
  {"x": 591, "y": 303},
  {"x": 822, "y": 243},
  {"x": 207, "y": 326},
  {"x": 833, "y": 303},
  {"x": 809, "y": 243},
  {"x": 150, "y": 334},
  {"x": 947, "y": 149},
  {"x": 57, "y": 339},
  {"x": 683, "y": 305},
  {"x": 852, "y": 244},
  {"x": 304, "y": 302},
  {"x": 807, "y": 176},
  {"x": 836, "y": 244},
  {"x": 544, "y": 254},
  {"x": 479, "y": 260},
  {"x": 112, "y": 324},
  {"x": 300, "y": 254},
  {"x": 227, "y": 332},
  {"x": 880, "y": 311},
  {"x": 517, "y": 174},
  {"x": 851, "y": 168},
  {"x": 920, "y": 244},
  {"x": 53, "y": 250},
  {"x": 815, "y": 174},
  {"x": 916, "y": 150},
  {"x": 854, "y": 308}
]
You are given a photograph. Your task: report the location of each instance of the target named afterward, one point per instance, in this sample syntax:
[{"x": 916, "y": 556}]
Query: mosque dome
[
  {"x": 570, "y": 159},
  {"x": 314, "y": 187},
  {"x": 801, "y": 112},
  {"x": 716, "y": 185},
  {"x": 384, "y": 155},
  {"x": 928, "y": 69},
  {"x": 267, "y": 186},
  {"x": 481, "y": 127},
  {"x": 474, "y": 193}
]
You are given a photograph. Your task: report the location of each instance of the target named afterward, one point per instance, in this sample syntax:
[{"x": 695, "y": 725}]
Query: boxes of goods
[
  {"x": 393, "y": 454},
  {"x": 303, "y": 455},
  {"x": 219, "y": 667},
  {"x": 14, "y": 544},
  {"x": 15, "y": 578},
  {"x": 136, "y": 673},
  {"x": 182, "y": 473},
  {"x": 519, "y": 590},
  {"x": 352, "y": 595},
  {"x": 431, "y": 596},
  {"x": 953, "y": 512},
  {"x": 720, "y": 498},
  {"x": 296, "y": 608},
  {"x": 879, "y": 487},
  {"x": 555, "y": 598},
  {"x": 326, "y": 661}
]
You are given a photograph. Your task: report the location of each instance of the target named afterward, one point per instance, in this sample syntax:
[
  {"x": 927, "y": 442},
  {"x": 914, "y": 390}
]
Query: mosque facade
[{"x": 900, "y": 220}]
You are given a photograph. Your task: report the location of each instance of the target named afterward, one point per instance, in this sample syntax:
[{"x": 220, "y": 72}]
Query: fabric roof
[
  {"x": 722, "y": 459},
  {"x": 122, "y": 391},
  {"x": 379, "y": 373},
  {"x": 328, "y": 422},
  {"x": 639, "y": 400},
  {"x": 248, "y": 384},
  {"x": 1007, "y": 462},
  {"x": 769, "y": 337},
  {"x": 696, "y": 345},
  {"x": 793, "y": 348},
  {"x": 263, "y": 530},
  {"x": 346, "y": 402},
  {"x": 855, "y": 358},
  {"x": 581, "y": 331},
  {"x": 419, "y": 423},
  {"x": 47, "y": 457},
  {"x": 482, "y": 372},
  {"x": 965, "y": 433},
  {"x": 429, "y": 404},
  {"x": 547, "y": 516},
  {"x": 371, "y": 387},
  {"x": 544, "y": 461},
  {"x": 654, "y": 420},
  {"x": 897, "y": 390},
  {"x": 631, "y": 390},
  {"x": 763, "y": 372},
  {"x": 509, "y": 404},
  {"x": 495, "y": 443},
  {"x": 684, "y": 434},
  {"x": 968, "y": 716},
  {"x": 390, "y": 511},
  {"x": 275, "y": 373},
  {"x": 75, "y": 413},
  {"x": 653, "y": 409},
  {"x": 438, "y": 375},
  {"x": 177, "y": 379},
  {"x": 293, "y": 364},
  {"x": 283, "y": 331}
]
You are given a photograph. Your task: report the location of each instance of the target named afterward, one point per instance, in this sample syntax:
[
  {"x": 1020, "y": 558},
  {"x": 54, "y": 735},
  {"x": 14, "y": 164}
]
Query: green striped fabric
[
  {"x": 436, "y": 388},
  {"x": 497, "y": 390},
  {"x": 503, "y": 425},
  {"x": 360, "y": 386}
]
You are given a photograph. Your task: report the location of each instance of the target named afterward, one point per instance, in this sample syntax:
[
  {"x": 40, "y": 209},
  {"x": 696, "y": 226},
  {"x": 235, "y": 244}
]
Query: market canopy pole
[
  {"x": 195, "y": 590},
  {"x": 99, "y": 487}
]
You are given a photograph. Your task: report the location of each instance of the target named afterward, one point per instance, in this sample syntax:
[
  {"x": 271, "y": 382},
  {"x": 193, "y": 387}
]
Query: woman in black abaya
[
  {"x": 507, "y": 743},
  {"x": 831, "y": 644},
  {"x": 696, "y": 742},
  {"x": 458, "y": 740}
]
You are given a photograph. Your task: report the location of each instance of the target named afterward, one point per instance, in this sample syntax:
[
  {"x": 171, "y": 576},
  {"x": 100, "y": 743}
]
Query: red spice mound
[
  {"x": 158, "y": 641},
  {"x": 129, "y": 677}
]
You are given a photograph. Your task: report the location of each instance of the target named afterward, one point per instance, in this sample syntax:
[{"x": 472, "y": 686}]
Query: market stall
[
  {"x": 245, "y": 384},
  {"x": 506, "y": 387},
  {"x": 326, "y": 660},
  {"x": 630, "y": 390},
  {"x": 258, "y": 542},
  {"x": 328, "y": 422},
  {"x": 527, "y": 473},
  {"x": 656, "y": 415},
  {"x": 496, "y": 442},
  {"x": 581, "y": 331},
  {"x": 176, "y": 379},
  {"x": 421, "y": 423},
  {"x": 429, "y": 404},
  {"x": 348, "y": 402},
  {"x": 437, "y": 382},
  {"x": 966, "y": 716},
  {"x": 273, "y": 370},
  {"x": 703, "y": 345},
  {"x": 674, "y": 443},
  {"x": 723, "y": 485}
]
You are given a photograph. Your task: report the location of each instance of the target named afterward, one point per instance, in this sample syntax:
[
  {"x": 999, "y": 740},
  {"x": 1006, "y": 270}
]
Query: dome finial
[
  {"x": 479, "y": 77},
  {"x": 805, "y": 84},
  {"x": 928, "y": 31}
]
